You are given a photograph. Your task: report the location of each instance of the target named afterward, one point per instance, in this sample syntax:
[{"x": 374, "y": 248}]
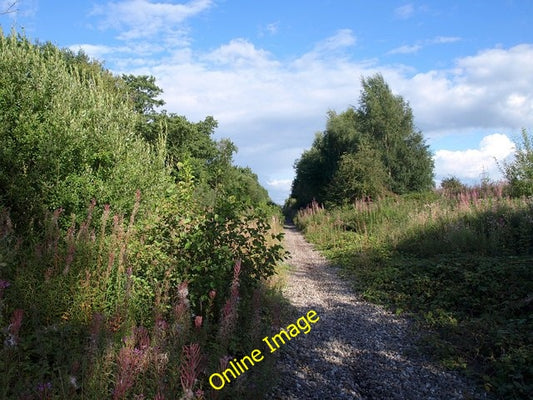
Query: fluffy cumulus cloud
[
  {"x": 470, "y": 165},
  {"x": 271, "y": 107},
  {"x": 492, "y": 90},
  {"x": 240, "y": 53}
]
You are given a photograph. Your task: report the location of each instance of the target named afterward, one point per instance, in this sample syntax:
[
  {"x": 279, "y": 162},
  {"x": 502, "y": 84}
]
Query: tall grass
[{"x": 460, "y": 264}]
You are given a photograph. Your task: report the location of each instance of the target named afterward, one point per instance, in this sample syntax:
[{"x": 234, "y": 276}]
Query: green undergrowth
[
  {"x": 135, "y": 257},
  {"x": 460, "y": 266},
  {"x": 105, "y": 310}
]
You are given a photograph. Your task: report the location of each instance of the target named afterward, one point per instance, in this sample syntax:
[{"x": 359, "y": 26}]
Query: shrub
[
  {"x": 68, "y": 135},
  {"x": 519, "y": 173},
  {"x": 452, "y": 186}
]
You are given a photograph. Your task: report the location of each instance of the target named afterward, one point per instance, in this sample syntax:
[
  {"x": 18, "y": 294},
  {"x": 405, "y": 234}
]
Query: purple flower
[
  {"x": 43, "y": 387},
  {"x": 3, "y": 285}
]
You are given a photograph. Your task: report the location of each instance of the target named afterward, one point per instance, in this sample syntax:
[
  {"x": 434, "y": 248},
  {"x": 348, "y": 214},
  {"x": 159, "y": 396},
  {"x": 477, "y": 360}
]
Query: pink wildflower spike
[
  {"x": 198, "y": 321},
  {"x": 212, "y": 294},
  {"x": 190, "y": 367},
  {"x": 183, "y": 290},
  {"x": 237, "y": 269},
  {"x": 14, "y": 327}
]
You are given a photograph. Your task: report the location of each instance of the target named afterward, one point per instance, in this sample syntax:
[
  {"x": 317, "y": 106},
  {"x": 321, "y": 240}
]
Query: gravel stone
[{"x": 357, "y": 350}]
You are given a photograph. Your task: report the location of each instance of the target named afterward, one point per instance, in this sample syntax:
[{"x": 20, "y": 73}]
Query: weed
[{"x": 460, "y": 264}]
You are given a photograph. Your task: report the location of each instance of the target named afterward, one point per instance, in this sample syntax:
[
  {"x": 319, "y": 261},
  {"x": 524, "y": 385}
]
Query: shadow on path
[{"x": 356, "y": 350}]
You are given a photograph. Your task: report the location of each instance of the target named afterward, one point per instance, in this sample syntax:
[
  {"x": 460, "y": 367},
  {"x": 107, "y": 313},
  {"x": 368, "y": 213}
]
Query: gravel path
[{"x": 356, "y": 350}]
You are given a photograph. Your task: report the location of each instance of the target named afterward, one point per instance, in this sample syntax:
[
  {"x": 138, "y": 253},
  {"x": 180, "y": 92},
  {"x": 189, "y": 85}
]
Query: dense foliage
[
  {"x": 519, "y": 172},
  {"x": 459, "y": 263},
  {"x": 364, "y": 152},
  {"x": 67, "y": 136},
  {"x": 130, "y": 245}
]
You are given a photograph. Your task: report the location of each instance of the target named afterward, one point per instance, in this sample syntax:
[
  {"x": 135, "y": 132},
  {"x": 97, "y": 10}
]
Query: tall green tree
[
  {"x": 387, "y": 121},
  {"x": 360, "y": 175},
  {"x": 368, "y": 151}
]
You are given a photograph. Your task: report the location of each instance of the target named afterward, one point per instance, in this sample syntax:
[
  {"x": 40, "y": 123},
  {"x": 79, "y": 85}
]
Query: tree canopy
[
  {"x": 366, "y": 151},
  {"x": 72, "y": 131}
]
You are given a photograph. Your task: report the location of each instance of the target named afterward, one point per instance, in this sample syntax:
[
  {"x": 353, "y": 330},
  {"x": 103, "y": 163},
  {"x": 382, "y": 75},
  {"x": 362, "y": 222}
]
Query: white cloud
[
  {"x": 271, "y": 29},
  {"x": 342, "y": 39},
  {"x": 284, "y": 184},
  {"x": 95, "y": 51},
  {"x": 120, "y": 55},
  {"x": 238, "y": 53},
  {"x": 411, "y": 49},
  {"x": 445, "y": 39},
  {"x": 491, "y": 90},
  {"x": 406, "y": 49},
  {"x": 268, "y": 106},
  {"x": 469, "y": 165},
  {"x": 404, "y": 12},
  {"x": 332, "y": 49},
  {"x": 136, "y": 19}
]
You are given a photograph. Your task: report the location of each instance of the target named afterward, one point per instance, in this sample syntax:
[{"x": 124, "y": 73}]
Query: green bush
[
  {"x": 519, "y": 173},
  {"x": 67, "y": 136}
]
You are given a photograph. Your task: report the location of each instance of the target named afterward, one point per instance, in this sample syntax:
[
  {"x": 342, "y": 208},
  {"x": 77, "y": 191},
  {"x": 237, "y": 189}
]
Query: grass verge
[{"x": 460, "y": 266}]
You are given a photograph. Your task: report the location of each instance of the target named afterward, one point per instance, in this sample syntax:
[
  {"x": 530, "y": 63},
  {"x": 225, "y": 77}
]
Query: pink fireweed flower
[
  {"x": 212, "y": 294},
  {"x": 190, "y": 367},
  {"x": 198, "y": 321},
  {"x": 14, "y": 328},
  {"x": 131, "y": 362}
]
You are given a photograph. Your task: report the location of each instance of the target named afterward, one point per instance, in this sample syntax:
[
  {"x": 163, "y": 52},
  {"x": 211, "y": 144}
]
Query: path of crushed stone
[{"x": 356, "y": 350}]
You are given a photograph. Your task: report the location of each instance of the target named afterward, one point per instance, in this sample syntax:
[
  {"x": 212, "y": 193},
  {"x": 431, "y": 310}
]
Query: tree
[
  {"x": 387, "y": 119},
  {"x": 452, "y": 186},
  {"x": 144, "y": 93},
  {"x": 67, "y": 136},
  {"x": 519, "y": 173},
  {"x": 367, "y": 151},
  {"x": 360, "y": 175}
]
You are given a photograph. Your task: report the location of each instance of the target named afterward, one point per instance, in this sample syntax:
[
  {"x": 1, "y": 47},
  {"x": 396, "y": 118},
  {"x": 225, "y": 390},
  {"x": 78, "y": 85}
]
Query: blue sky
[{"x": 269, "y": 71}]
